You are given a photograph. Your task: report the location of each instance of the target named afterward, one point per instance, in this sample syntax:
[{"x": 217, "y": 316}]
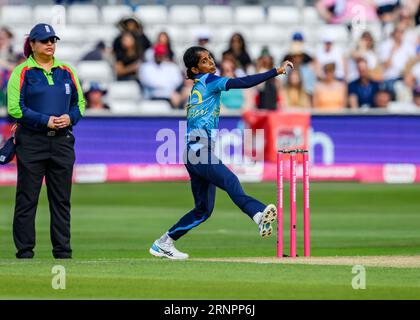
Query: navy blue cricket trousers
[{"x": 205, "y": 177}]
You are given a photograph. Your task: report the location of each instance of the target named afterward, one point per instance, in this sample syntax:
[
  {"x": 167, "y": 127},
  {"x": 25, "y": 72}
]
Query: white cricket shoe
[
  {"x": 167, "y": 249},
  {"x": 268, "y": 216}
]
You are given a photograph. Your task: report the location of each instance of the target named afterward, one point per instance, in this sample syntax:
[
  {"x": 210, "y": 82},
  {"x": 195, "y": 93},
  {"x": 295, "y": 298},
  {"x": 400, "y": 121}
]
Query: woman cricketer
[
  {"x": 206, "y": 171},
  {"x": 45, "y": 98}
]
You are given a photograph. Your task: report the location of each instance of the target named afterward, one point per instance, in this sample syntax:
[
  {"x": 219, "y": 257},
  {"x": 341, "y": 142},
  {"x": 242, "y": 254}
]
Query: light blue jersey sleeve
[{"x": 216, "y": 84}]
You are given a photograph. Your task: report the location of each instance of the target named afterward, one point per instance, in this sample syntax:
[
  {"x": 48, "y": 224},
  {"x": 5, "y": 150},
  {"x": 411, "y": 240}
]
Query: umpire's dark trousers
[{"x": 51, "y": 155}]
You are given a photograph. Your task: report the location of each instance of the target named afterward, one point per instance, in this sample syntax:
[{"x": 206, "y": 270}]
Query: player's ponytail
[
  {"x": 27, "y": 50},
  {"x": 191, "y": 59}
]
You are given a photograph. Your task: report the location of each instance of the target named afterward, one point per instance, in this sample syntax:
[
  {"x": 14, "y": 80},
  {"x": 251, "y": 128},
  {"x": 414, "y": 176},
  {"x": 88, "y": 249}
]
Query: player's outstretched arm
[{"x": 253, "y": 80}]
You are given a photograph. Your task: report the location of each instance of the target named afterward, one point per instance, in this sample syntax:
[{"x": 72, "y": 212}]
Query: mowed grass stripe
[
  {"x": 113, "y": 226},
  {"x": 217, "y": 280}
]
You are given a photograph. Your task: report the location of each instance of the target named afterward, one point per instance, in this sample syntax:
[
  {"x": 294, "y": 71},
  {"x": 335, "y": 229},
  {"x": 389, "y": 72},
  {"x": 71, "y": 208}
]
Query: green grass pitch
[{"x": 113, "y": 226}]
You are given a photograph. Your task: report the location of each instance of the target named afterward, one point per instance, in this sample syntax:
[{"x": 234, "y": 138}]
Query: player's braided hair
[{"x": 191, "y": 59}]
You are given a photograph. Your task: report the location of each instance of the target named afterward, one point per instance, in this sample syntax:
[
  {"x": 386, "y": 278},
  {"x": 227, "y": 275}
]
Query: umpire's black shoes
[
  {"x": 25, "y": 254},
  {"x": 62, "y": 255}
]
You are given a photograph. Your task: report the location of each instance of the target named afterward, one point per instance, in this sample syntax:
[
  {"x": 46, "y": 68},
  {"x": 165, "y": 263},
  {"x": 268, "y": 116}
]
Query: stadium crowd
[{"x": 369, "y": 73}]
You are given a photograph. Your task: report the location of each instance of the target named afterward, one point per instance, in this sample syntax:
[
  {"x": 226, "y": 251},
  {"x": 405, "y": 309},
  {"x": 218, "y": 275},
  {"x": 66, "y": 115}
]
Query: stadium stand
[
  {"x": 217, "y": 14},
  {"x": 111, "y": 14},
  {"x": 152, "y": 14},
  {"x": 99, "y": 71},
  {"x": 264, "y": 25},
  {"x": 83, "y": 14}
]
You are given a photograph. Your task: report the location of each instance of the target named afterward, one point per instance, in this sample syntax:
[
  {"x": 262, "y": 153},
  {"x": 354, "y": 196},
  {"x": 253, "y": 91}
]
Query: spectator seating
[
  {"x": 217, "y": 14},
  {"x": 153, "y": 14},
  {"x": 81, "y": 26},
  {"x": 124, "y": 96},
  {"x": 68, "y": 53},
  {"x": 249, "y": 15},
  {"x": 106, "y": 33},
  {"x": 99, "y": 71},
  {"x": 310, "y": 16},
  {"x": 184, "y": 14},
  {"x": 98, "y": 22},
  {"x": 71, "y": 34},
  {"x": 15, "y": 15},
  {"x": 155, "y": 107},
  {"x": 180, "y": 34},
  {"x": 111, "y": 14},
  {"x": 124, "y": 90},
  {"x": 124, "y": 107},
  {"x": 159, "y": 14},
  {"x": 266, "y": 33},
  {"x": 283, "y": 15},
  {"x": 48, "y": 14},
  {"x": 83, "y": 14},
  {"x": 339, "y": 32}
]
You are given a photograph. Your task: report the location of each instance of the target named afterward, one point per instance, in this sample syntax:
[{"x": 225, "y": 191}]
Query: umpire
[{"x": 45, "y": 98}]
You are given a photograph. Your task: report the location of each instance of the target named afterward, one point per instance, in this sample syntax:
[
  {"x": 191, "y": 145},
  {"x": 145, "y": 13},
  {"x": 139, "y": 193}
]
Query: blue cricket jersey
[{"x": 203, "y": 107}]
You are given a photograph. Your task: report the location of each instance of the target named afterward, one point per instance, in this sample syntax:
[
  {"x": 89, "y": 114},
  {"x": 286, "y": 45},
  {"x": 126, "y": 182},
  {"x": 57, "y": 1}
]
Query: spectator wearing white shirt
[
  {"x": 394, "y": 55},
  {"x": 160, "y": 78},
  {"x": 410, "y": 106},
  {"x": 329, "y": 54},
  {"x": 407, "y": 16},
  {"x": 405, "y": 88},
  {"x": 412, "y": 77},
  {"x": 365, "y": 49}
]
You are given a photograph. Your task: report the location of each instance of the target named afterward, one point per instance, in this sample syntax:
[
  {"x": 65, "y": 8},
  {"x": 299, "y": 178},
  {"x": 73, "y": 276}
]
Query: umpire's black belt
[
  {"x": 53, "y": 133},
  {"x": 48, "y": 133}
]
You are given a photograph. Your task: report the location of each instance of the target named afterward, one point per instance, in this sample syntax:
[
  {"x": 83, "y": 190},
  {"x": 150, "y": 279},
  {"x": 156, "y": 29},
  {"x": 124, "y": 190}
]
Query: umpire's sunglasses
[{"x": 51, "y": 39}]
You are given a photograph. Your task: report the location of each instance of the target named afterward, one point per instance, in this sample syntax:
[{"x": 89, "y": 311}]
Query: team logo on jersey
[{"x": 67, "y": 85}]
